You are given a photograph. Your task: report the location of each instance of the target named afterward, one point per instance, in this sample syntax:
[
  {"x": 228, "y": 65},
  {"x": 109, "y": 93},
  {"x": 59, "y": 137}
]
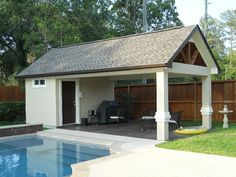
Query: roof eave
[
  {"x": 93, "y": 71},
  {"x": 208, "y": 48}
]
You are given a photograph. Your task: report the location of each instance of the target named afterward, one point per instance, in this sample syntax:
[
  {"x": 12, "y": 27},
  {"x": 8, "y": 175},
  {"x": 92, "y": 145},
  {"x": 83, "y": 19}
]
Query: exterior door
[{"x": 68, "y": 102}]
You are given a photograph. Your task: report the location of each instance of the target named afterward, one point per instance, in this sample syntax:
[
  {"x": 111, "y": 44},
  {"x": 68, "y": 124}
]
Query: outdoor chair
[
  {"x": 119, "y": 114},
  {"x": 147, "y": 119},
  {"x": 175, "y": 119}
]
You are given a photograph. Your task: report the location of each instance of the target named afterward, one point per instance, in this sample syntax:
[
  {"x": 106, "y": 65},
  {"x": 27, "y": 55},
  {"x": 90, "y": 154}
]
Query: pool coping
[
  {"x": 6, "y": 138},
  {"x": 117, "y": 145},
  {"x": 82, "y": 169}
]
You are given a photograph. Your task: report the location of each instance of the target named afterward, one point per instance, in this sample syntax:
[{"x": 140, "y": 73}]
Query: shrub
[{"x": 11, "y": 111}]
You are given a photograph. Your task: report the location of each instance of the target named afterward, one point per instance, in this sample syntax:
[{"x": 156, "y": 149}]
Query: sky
[{"x": 190, "y": 11}]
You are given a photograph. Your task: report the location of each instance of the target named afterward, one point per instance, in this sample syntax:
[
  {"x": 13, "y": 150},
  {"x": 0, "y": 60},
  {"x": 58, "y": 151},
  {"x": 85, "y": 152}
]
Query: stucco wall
[
  {"x": 41, "y": 103},
  {"x": 94, "y": 91}
]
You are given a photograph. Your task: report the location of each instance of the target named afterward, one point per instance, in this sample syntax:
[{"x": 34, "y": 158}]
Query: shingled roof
[{"x": 144, "y": 50}]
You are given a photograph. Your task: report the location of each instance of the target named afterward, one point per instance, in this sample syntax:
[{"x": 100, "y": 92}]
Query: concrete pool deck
[
  {"x": 116, "y": 144},
  {"x": 137, "y": 157},
  {"x": 158, "y": 162}
]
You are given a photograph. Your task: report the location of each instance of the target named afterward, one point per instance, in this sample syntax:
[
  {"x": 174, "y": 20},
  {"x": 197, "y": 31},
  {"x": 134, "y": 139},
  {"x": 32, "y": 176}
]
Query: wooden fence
[
  {"x": 11, "y": 93},
  {"x": 186, "y": 97}
]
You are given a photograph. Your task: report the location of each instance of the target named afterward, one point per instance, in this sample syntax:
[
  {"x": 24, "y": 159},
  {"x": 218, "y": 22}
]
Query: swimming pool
[{"x": 43, "y": 157}]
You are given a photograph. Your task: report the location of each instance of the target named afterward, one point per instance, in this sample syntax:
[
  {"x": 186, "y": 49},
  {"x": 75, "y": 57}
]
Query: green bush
[{"x": 12, "y": 111}]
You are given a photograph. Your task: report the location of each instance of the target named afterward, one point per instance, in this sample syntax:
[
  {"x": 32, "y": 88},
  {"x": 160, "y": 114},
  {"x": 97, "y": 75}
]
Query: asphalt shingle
[{"x": 133, "y": 51}]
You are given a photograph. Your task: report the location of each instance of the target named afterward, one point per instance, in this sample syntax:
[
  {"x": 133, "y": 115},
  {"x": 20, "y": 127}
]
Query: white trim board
[{"x": 187, "y": 69}]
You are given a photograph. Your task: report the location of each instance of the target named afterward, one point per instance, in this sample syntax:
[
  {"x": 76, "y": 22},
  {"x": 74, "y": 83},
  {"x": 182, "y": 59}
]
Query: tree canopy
[
  {"x": 222, "y": 40},
  {"x": 29, "y": 28}
]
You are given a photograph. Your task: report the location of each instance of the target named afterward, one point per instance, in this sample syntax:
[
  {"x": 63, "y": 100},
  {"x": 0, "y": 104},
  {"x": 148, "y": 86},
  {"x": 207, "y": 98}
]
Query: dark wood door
[{"x": 68, "y": 102}]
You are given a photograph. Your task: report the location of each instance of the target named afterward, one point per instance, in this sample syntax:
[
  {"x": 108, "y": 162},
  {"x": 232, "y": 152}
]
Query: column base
[
  {"x": 162, "y": 131},
  {"x": 162, "y": 125},
  {"x": 207, "y": 117}
]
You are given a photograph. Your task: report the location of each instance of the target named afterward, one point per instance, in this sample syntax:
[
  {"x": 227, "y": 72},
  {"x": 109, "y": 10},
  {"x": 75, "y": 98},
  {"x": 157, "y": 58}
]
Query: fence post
[{"x": 128, "y": 89}]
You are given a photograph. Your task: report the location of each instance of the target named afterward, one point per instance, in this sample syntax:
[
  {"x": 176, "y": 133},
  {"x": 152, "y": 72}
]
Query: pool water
[{"x": 43, "y": 157}]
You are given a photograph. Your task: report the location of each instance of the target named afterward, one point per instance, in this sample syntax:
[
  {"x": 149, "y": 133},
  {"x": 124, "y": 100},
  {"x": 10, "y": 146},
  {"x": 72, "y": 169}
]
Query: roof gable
[{"x": 207, "y": 58}]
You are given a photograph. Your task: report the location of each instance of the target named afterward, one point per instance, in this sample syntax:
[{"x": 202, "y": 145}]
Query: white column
[
  {"x": 77, "y": 101},
  {"x": 162, "y": 105},
  {"x": 60, "y": 116},
  {"x": 206, "y": 109}
]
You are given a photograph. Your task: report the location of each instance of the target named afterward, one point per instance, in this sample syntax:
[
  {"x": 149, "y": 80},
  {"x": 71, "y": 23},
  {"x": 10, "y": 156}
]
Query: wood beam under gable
[
  {"x": 194, "y": 56},
  {"x": 190, "y": 55},
  {"x": 189, "y": 52},
  {"x": 184, "y": 57}
]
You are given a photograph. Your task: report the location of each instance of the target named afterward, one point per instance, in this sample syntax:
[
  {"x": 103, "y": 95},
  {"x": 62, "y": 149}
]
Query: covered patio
[{"x": 131, "y": 129}]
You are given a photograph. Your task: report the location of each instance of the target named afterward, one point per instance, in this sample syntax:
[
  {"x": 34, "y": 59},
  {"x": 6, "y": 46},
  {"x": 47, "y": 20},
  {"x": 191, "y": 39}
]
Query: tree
[
  {"x": 91, "y": 18},
  {"x": 215, "y": 40},
  {"x": 127, "y": 16},
  {"x": 15, "y": 18},
  {"x": 214, "y": 36},
  {"x": 162, "y": 14},
  {"x": 222, "y": 41},
  {"x": 228, "y": 20},
  {"x": 29, "y": 28},
  {"x": 51, "y": 28}
]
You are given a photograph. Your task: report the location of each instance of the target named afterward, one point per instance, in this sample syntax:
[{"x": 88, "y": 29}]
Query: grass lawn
[{"x": 217, "y": 141}]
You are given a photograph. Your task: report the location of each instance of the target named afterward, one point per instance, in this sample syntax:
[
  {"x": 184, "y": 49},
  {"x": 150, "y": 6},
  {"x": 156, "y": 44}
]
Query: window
[
  {"x": 42, "y": 82},
  {"x": 38, "y": 83}
]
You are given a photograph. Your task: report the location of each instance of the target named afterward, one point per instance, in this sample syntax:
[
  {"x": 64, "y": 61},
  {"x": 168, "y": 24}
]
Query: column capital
[
  {"x": 161, "y": 117},
  {"x": 206, "y": 110}
]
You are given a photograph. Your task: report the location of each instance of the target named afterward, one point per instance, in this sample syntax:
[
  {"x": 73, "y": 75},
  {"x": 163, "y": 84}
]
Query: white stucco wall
[
  {"x": 41, "y": 106},
  {"x": 94, "y": 91}
]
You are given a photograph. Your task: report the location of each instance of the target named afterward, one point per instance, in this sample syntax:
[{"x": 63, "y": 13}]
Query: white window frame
[{"x": 39, "y": 85}]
